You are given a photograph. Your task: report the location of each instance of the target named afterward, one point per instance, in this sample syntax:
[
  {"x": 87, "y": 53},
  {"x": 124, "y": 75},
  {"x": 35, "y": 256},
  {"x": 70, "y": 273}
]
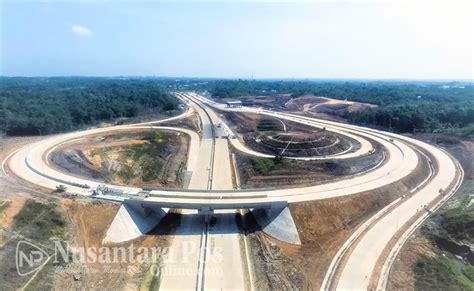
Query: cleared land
[
  {"x": 314, "y": 219},
  {"x": 89, "y": 222},
  {"x": 83, "y": 224},
  {"x": 313, "y": 104},
  {"x": 38, "y": 223},
  {"x": 155, "y": 158},
  {"x": 439, "y": 255},
  {"x": 323, "y": 226},
  {"x": 275, "y": 136},
  {"x": 317, "y": 106},
  {"x": 284, "y": 173}
]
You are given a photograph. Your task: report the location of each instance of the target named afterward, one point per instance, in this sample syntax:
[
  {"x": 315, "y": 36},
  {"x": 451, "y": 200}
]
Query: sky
[{"x": 237, "y": 40}]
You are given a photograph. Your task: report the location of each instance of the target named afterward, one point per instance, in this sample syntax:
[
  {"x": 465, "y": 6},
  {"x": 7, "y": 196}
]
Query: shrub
[{"x": 263, "y": 165}]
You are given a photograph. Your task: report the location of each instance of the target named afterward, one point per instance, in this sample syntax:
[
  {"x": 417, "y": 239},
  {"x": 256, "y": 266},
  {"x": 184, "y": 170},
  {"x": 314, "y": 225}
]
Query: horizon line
[{"x": 243, "y": 78}]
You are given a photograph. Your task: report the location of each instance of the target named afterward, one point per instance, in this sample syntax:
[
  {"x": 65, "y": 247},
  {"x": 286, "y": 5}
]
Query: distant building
[
  {"x": 247, "y": 102},
  {"x": 234, "y": 103}
]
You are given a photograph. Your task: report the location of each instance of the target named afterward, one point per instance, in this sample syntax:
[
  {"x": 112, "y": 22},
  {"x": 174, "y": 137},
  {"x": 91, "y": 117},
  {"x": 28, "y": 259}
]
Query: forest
[
  {"x": 32, "y": 106},
  {"x": 375, "y": 92},
  {"x": 403, "y": 106},
  {"x": 434, "y": 117}
]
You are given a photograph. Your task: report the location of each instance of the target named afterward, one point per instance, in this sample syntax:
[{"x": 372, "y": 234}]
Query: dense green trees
[
  {"x": 375, "y": 92},
  {"x": 402, "y": 106},
  {"x": 263, "y": 165},
  {"x": 47, "y": 105},
  {"x": 424, "y": 116}
]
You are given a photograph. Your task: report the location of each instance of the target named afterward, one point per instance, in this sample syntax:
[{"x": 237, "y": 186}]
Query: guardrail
[
  {"x": 84, "y": 186},
  {"x": 146, "y": 188},
  {"x": 213, "y": 197}
]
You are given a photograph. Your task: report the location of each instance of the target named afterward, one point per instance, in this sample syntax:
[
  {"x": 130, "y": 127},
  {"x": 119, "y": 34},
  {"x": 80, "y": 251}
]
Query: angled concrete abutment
[
  {"x": 133, "y": 220},
  {"x": 137, "y": 217},
  {"x": 278, "y": 223}
]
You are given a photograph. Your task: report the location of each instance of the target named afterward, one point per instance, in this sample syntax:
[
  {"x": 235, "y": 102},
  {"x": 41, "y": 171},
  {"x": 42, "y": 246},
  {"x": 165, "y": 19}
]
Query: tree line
[
  {"x": 404, "y": 106},
  {"x": 455, "y": 117},
  {"x": 48, "y": 105},
  {"x": 31, "y": 106},
  {"x": 375, "y": 92}
]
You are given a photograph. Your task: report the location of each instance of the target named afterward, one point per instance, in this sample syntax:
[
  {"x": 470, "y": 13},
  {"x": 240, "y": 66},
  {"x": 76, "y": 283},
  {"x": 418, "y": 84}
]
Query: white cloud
[{"x": 80, "y": 30}]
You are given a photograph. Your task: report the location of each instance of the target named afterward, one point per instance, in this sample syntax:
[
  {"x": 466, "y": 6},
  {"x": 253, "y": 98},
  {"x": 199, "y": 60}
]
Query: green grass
[
  {"x": 39, "y": 221},
  {"x": 151, "y": 281},
  {"x": 441, "y": 273},
  {"x": 154, "y": 135},
  {"x": 97, "y": 151},
  {"x": 268, "y": 125},
  {"x": 147, "y": 158},
  {"x": 468, "y": 271},
  {"x": 4, "y": 204},
  {"x": 151, "y": 169},
  {"x": 126, "y": 172},
  {"x": 39, "y": 281},
  {"x": 263, "y": 165},
  {"x": 144, "y": 160},
  {"x": 455, "y": 222},
  {"x": 466, "y": 131},
  {"x": 458, "y": 223},
  {"x": 155, "y": 283}
]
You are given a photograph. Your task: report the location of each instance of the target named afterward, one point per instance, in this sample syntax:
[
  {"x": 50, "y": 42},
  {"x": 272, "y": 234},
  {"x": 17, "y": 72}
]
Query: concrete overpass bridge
[{"x": 145, "y": 208}]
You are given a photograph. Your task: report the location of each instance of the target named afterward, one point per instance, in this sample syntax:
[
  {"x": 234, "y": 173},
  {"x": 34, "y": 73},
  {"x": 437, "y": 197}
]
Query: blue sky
[{"x": 231, "y": 40}]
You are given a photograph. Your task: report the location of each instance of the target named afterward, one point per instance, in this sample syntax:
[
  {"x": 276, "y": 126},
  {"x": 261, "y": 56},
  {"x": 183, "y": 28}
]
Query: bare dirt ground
[
  {"x": 86, "y": 225},
  {"x": 249, "y": 122},
  {"x": 244, "y": 123},
  {"x": 323, "y": 227},
  {"x": 145, "y": 117},
  {"x": 292, "y": 173},
  {"x": 192, "y": 122},
  {"x": 12, "y": 207},
  {"x": 103, "y": 158},
  {"x": 13, "y": 192},
  {"x": 89, "y": 222},
  {"x": 324, "y": 106},
  {"x": 462, "y": 150},
  {"x": 272, "y": 101},
  {"x": 276, "y": 136},
  {"x": 8, "y": 209},
  {"x": 402, "y": 274}
]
